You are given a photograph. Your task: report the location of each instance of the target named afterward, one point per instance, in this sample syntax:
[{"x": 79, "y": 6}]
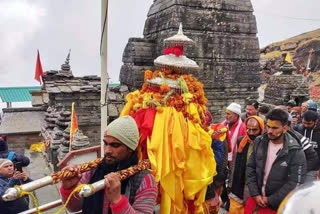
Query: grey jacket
[{"x": 287, "y": 171}]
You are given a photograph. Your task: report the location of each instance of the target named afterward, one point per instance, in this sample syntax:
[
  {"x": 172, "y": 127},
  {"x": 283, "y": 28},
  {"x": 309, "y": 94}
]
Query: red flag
[{"x": 39, "y": 71}]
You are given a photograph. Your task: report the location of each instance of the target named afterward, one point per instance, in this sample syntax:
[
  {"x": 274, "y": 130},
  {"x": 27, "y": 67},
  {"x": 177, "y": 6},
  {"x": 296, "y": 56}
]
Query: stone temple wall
[
  {"x": 85, "y": 92},
  {"x": 227, "y": 48}
]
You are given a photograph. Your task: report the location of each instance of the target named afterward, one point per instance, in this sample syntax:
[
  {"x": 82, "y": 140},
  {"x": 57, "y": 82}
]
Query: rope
[
  {"x": 35, "y": 200},
  {"x": 58, "y": 176}
]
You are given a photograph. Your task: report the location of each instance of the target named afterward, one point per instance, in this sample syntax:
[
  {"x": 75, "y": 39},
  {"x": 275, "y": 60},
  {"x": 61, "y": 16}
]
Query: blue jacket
[{"x": 16, "y": 206}]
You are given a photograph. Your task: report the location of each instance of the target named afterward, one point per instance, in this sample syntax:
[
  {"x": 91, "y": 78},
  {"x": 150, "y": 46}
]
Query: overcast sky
[{"x": 56, "y": 26}]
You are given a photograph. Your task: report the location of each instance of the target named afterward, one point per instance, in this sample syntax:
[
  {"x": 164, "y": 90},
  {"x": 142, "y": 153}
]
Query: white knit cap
[
  {"x": 4, "y": 161},
  {"x": 235, "y": 108},
  {"x": 126, "y": 130}
]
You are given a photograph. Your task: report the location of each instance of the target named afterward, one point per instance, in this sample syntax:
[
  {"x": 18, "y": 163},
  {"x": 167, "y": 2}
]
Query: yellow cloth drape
[
  {"x": 182, "y": 160},
  {"x": 166, "y": 152},
  {"x": 200, "y": 164}
]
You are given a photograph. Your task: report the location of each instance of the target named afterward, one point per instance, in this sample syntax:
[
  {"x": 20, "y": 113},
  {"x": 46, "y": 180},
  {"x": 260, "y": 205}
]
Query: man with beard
[
  {"x": 137, "y": 194},
  {"x": 239, "y": 190},
  {"x": 276, "y": 166},
  {"x": 236, "y": 127},
  {"x": 309, "y": 129}
]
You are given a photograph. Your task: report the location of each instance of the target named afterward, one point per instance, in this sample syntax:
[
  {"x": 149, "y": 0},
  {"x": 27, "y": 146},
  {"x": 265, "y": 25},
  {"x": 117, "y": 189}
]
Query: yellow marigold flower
[{"x": 187, "y": 97}]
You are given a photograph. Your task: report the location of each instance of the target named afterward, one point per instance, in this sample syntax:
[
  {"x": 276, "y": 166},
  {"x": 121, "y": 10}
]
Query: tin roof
[{"x": 17, "y": 94}]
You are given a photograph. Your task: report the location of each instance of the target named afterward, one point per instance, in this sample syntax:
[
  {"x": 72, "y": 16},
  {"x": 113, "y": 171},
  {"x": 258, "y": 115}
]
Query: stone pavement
[{"x": 38, "y": 168}]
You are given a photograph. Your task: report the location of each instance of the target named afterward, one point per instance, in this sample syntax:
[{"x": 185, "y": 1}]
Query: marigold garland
[{"x": 155, "y": 96}]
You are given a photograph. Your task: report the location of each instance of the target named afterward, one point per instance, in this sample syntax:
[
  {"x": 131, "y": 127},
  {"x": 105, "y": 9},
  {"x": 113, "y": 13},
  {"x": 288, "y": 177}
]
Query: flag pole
[{"x": 104, "y": 73}]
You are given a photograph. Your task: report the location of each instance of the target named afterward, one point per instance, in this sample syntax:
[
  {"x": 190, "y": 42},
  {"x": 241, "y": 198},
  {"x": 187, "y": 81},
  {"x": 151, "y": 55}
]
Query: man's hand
[
  {"x": 70, "y": 183},
  {"x": 24, "y": 176},
  {"x": 17, "y": 175},
  {"x": 265, "y": 200},
  {"x": 259, "y": 201},
  {"x": 113, "y": 187}
]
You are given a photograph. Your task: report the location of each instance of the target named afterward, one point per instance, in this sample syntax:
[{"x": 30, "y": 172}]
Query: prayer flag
[
  {"x": 73, "y": 126},
  {"x": 39, "y": 71}
]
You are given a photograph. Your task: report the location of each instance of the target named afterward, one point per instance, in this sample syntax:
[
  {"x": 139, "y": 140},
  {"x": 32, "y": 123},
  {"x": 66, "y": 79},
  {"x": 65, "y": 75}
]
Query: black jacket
[
  {"x": 286, "y": 173},
  {"x": 313, "y": 162},
  {"x": 237, "y": 180},
  {"x": 315, "y": 141}
]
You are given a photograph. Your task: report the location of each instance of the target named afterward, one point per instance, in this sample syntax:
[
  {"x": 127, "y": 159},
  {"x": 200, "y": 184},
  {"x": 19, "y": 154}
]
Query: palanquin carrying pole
[{"x": 16, "y": 192}]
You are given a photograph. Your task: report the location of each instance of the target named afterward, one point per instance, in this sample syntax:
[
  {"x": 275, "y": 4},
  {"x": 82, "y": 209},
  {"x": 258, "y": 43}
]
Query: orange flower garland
[
  {"x": 155, "y": 96},
  {"x": 147, "y": 75},
  {"x": 165, "y": 88}
]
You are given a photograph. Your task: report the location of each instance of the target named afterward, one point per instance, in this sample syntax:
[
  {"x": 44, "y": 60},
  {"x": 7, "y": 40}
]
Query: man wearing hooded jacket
[{"x": 309, "y": 129}]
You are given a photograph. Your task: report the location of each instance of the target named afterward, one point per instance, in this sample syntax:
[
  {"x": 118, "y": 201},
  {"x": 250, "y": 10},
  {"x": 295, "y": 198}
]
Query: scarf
[
  {"x": 94, "y": 203},
  {"x": 234, "y": 134},
  {"x": 246, "y": 138}
]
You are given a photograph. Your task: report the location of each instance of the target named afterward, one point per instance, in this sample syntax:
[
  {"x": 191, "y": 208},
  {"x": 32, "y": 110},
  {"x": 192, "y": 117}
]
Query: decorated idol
[{"x": 170, "y": 113}]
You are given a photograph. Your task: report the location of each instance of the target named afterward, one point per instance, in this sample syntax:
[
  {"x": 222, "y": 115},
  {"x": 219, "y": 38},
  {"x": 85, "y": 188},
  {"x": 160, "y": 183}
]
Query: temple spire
[{"x": 66, "y": 65}]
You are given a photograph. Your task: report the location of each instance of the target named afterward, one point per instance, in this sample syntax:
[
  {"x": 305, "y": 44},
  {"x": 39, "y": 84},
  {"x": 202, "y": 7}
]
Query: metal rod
[
  {"x": 104, "y": 70},
  {"x": 86, "y": 191},
  {"x": 44, "y": 207},
  {"x": 13, "y": 193}
]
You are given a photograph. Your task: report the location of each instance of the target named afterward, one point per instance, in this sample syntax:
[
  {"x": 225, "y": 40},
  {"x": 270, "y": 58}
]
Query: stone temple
[
  {"x": 286, "y": 86},
  {"x": 227, "y": 48}
]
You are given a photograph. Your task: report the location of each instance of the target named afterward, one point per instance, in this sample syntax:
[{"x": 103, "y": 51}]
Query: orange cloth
[
  {"x": 73, "y": 125},
  {"x": 246, "y": 138},
  {"x": 209, "y": 209},
  {"x": 219, "y": 131},
  {"x": 236, "y": 207}
]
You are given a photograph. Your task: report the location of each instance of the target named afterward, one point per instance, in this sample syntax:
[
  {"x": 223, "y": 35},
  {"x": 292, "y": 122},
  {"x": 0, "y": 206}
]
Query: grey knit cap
[
  {"x": 4, "y": 161},
  {"x": 126, "y": 130}
]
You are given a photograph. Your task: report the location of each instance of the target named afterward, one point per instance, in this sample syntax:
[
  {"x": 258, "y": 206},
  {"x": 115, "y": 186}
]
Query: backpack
[{"x": 10, "y": 155}]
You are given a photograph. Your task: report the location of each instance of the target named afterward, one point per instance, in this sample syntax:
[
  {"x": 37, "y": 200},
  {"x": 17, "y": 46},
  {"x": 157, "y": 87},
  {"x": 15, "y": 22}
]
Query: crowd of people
[
  {"x": 261, "y": 155},
  {"x": 270, "y": 153}
]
